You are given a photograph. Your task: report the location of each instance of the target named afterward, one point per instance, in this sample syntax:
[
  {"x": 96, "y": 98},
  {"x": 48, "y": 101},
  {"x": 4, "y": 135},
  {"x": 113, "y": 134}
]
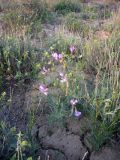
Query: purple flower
[
  {"x": 63, "y": 78},
  {"x": 61, "y": 74},
  {"x": 77, "y": 113},
  {"x": 57, "y": 56},
  {"x": 44, "y": 71},
  {"x": 43, "y": 89},
  {"x": 60, "y": 56},
  {"x": 72, "y": 49},
  {"x": 73, "y": 102}
]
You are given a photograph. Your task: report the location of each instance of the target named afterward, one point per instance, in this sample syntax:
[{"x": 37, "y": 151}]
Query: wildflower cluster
[
  {"x": 63, "y": 79},
  {"x": 57, "y": 56}
]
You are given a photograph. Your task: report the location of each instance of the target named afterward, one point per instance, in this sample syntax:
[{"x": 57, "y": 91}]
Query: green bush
[
  {"x": 65, "y": 7},
  {"x": 40, "y": 12},
  {"x": 17, "y": 59},
  {"x": 8, "y": 141},
  {"x": 15, "y": 146}
]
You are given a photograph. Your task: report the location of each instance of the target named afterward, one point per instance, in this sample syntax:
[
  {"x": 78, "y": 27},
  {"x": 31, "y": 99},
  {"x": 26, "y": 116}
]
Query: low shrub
[
  {"x": 65, "y": 7},
  {"x": 17, "y": 59}
]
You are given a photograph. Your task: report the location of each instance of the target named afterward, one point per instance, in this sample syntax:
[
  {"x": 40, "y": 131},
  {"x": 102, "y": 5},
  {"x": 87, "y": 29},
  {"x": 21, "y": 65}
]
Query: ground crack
[
  {"x": 82, "y": 137},
  {"x": 52, "y": 148},
  {"x": 88, "y": 153}
]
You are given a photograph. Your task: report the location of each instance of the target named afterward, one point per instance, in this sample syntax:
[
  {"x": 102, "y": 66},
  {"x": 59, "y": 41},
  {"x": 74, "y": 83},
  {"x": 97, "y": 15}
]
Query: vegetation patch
[{"x": 65, "y": 7}]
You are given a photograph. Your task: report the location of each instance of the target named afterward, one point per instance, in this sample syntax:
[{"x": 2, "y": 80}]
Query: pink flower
[
  {"x": 63, "y": 78},
  {"x": 73, "y": 102},
  {"x": 77, "y": 113},
  {"x": 57, "y": 56},
  {"x": 43, "y": 89},
  {"x": 61, "y": 74},
  {"x": 72, "y": 49},
  {"x": 60, "y": 56},
  {"x": 44, "y": 71}
]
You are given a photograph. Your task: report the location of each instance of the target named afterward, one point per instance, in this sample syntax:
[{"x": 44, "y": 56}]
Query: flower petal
[{"x": 77, "y": 113}]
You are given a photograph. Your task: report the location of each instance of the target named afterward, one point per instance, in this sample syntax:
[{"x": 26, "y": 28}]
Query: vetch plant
[
  {"x": 73, "y": 102},
  {"x": 57, "y": 56},
  {"x": 43, "y": 89},
  {"x": 77, "y": 113},
  {"x": 45, "y": 71},
  {"x": 74, "y": 110},
  {"x": 63, "y": 78},
  {"x": 72, "y": 49}
]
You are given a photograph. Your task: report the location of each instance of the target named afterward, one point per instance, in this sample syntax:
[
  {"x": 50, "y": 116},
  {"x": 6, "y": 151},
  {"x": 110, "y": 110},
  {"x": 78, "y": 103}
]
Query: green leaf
[{"x": 29, "y": 158}]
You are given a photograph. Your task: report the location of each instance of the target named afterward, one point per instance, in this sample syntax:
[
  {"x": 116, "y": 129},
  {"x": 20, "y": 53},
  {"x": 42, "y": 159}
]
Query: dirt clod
[{"x": 69, "y": 144}]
